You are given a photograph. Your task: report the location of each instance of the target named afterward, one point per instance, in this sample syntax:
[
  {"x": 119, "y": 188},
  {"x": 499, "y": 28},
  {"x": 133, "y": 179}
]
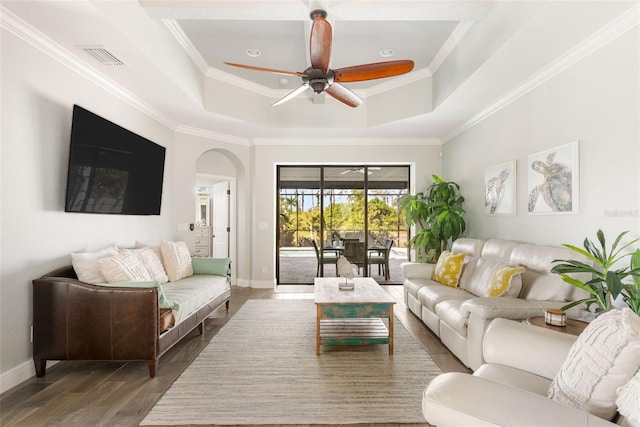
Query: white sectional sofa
[
  {"x": 460, "y": 315},
  {"x": 539, "y": 377}
]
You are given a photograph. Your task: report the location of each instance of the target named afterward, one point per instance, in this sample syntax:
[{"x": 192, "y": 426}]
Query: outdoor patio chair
[
  {"x": 328, "y": 257},
  {"x": 380, "y": 256}
]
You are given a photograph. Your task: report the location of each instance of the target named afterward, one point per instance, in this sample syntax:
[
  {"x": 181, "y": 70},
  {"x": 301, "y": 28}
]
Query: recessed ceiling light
[
  {"x": 254, "y": 53},
  {"x": 385, "y": 53}
]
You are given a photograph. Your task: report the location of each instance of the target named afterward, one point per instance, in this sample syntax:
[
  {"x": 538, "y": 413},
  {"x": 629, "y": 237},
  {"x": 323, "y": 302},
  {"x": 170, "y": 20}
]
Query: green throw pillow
[
  {"x": 215, "y": 266},
  {"x": 162, "y": 299}
]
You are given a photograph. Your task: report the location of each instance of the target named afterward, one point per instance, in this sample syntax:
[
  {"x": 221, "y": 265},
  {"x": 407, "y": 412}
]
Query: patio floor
[{"x": 299, "y": 265}]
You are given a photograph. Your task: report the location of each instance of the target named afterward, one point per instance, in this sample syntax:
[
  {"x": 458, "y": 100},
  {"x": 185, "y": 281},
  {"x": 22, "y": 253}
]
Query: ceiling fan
[
  {"x": 361, "y": 170},
  {"x": 320, "y": 78}
]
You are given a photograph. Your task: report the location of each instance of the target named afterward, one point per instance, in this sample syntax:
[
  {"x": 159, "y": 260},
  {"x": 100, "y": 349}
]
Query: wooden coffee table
[{"x": 353, "y": 317}]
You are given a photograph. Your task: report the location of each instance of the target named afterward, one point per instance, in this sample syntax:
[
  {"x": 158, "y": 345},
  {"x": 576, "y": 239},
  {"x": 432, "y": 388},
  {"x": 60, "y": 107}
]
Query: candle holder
[{"x": 555, "y": 317}]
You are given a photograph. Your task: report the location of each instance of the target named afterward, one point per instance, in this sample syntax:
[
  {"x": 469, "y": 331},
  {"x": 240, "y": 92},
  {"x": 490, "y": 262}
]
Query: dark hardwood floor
[{"x": 121, "y": 393}]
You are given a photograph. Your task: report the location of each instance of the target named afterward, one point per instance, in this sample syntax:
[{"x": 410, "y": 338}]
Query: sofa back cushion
[
  {"x": 538, "y": 283},
  {"x": 498, "y": 249},
  {"x": 478, "y": 271},
  {"x": 485, "y": 275},
  {"x": 472, "y": 248}
]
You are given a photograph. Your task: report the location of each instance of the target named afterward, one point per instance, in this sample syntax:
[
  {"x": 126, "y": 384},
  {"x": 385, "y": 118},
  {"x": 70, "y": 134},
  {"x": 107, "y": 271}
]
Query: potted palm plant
[
  {"x": 606, "y": 282},
  {"x": 438, "y": 215}
]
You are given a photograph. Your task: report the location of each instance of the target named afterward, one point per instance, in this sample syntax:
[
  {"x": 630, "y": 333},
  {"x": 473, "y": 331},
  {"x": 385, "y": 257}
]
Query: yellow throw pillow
[
  {"x": 448, "y": 268},
  {"x": 505, "y": 281}
]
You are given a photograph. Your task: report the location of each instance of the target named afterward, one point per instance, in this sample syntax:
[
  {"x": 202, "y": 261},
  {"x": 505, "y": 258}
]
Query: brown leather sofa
[{"x": 73, "y": 320}]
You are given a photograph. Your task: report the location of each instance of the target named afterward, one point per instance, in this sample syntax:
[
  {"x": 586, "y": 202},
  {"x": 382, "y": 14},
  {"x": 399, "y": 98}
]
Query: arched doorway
[{"x": 216, "y": 174}]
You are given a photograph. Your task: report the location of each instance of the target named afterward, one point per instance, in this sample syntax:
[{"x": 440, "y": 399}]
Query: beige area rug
[{"x": 262, "y": 368}]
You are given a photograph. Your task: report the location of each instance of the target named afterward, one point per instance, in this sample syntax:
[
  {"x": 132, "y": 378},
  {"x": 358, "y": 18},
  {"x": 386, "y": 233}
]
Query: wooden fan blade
[
  {"x": 320, "y": 44},
  {"x": 376, "y": 70},
  {"x": 291, "y": 95},
  {"x": 269, "y": 70},
  {"x": 344, "y": 95}
]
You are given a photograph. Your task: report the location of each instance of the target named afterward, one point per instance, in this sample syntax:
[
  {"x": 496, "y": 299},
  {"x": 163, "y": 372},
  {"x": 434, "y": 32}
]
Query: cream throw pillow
[
  {"x": 448, "y": 268},
  {"x": 604, "y": 357},
  {"x": 86, "y": 264},
  {"x": 628, "y": 401},
  {"x": 124, "y": 267},
  {"x": 505, "y": 282},
  {"x": 176, "y": 259},
  {"x": 156, "y": 248},
  {"x": 152, "y": 263}
]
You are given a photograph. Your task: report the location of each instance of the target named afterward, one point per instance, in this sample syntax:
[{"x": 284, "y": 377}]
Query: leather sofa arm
[
  {"x": 457, "y": 399},
  {"x": 507, "y": 308},
  {"x": 77, "y": 320},
  {"x": 417, "y": 270},
  {"x": 528, "y": 348}
]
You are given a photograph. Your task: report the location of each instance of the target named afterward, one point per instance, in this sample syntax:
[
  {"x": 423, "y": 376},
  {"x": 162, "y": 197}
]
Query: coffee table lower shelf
[{"x": 353, "y": 332}]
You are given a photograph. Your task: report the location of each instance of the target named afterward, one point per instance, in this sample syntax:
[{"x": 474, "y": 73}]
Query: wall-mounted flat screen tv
[{"x": 111, "y": 169}]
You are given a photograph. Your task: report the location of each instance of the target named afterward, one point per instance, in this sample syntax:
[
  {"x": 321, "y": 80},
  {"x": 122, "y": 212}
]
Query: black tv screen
[{"x": 112, "y": 170}]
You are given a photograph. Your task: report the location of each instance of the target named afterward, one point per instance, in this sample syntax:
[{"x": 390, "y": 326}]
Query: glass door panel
[
  {"x": 329, "y": 211},
  {"x": 297, "y": 261},
  {"x": 344, "y": 196},
  {"x": 387, "y": 228}
]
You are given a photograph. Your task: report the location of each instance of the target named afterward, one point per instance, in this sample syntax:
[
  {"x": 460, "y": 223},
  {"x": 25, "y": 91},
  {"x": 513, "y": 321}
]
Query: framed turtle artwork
[
  {"x": 553, "y": 180},
  {"x": 499, "y": 189}
]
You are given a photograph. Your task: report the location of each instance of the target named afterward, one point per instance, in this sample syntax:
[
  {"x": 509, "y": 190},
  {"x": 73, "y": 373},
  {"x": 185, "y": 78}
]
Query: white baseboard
[
  {"x": 15, "y": 376},
  {"x": 19, "y": 374}
]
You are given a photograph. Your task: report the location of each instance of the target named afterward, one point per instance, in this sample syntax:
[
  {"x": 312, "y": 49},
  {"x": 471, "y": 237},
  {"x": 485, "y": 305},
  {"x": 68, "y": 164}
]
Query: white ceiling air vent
[{"x": 102, "y": 55}]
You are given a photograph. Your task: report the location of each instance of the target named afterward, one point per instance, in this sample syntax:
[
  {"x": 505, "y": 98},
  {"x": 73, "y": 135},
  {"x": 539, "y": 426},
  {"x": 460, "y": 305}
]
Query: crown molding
[
  {"x": 619, "y": 26},
  {"x": 454, "y": 38},
  {"x": 35, "y": 38},
  {"x": 346, "y": 141},
  {"x": 176, "y": 31}
]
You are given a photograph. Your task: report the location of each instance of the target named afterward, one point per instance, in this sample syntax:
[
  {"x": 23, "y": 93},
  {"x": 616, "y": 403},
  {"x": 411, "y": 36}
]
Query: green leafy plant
[
  {"x": 606, "y": 282},
  {"x": 438, "y": 215},
  {"x": 631, "y": 291}
]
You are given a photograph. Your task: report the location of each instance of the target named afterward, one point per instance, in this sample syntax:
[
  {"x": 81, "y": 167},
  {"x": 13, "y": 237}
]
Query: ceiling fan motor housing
[
  {"x": 318, "y": 80},
  {"x": 318, "y": 13}
]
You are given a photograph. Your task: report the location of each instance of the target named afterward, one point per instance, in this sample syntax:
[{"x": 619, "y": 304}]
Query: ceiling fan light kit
[{"x": 320, "y": 78}]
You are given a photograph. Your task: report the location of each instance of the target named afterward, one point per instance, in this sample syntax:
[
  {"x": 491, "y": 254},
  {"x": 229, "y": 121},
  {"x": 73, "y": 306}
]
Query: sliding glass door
[{"x": 328, "y": 211}]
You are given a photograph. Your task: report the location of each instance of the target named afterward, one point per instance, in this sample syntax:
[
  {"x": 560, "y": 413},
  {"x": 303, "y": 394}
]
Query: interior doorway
[
  {"x": 218, "y": 171},
  {"x": 328, "y": 211}
]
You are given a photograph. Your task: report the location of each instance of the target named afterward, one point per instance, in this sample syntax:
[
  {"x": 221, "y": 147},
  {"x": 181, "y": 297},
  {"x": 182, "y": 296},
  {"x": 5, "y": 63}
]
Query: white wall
[
  {"x": 594, "y": 101},
  {"x": 37, "y": 236},
  {"x": 426, "y": 159}
]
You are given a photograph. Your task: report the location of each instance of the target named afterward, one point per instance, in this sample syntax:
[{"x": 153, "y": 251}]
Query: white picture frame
[
  {"x": 500, "y": 189},
  {"x": 553, "y": 180}
]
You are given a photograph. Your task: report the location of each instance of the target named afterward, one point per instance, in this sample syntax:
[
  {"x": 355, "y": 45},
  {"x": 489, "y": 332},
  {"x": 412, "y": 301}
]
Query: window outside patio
[{"x": 346, "y": 210}]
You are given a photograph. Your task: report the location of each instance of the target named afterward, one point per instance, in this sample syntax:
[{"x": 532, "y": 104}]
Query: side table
[{"x": 574, "y": 327}]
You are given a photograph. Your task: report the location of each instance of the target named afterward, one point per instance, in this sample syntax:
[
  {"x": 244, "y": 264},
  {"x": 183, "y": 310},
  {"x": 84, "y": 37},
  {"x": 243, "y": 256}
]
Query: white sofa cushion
[
  {"x": 432, "y": 294},
  {"x": 189, "y": 294},
  {"x": 604, "y": 357},
  {"x": 449, "y": 312},
  {"x": 514, "y": 377},
  {"x": 457, "y": 399},
  {"x": 539, "y": 282}
]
